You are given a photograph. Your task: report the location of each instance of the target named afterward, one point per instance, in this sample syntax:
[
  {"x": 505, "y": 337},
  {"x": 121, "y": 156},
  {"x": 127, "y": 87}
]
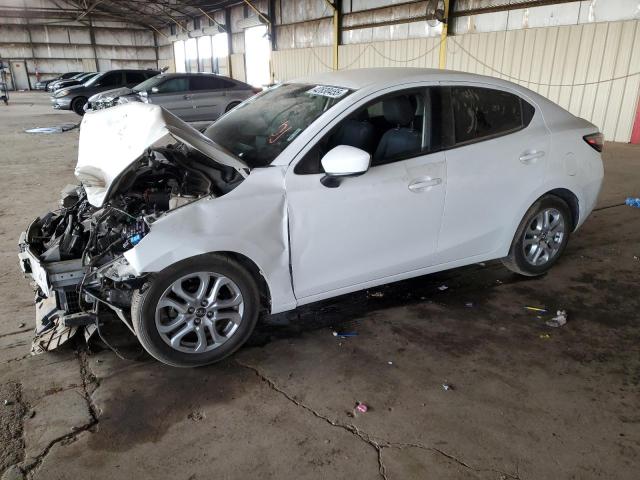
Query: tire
[
  {"x": 152, "y": 310},
  {"x": 77, "y": 105},
  {"x": 231, "y": 106},
  {"x": 536, "y": 246}
]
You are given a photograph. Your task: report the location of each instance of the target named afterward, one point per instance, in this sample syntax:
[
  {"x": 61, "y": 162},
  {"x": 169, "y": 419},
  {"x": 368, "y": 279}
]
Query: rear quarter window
[{"x": 481, "y": 113}]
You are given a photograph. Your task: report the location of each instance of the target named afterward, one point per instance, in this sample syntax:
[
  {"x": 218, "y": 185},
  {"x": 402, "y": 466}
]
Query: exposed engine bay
[{"x": 74, "y": 254}]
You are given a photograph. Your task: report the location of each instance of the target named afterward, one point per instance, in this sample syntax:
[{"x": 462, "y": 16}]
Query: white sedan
[{"x": 312, "y": 189}]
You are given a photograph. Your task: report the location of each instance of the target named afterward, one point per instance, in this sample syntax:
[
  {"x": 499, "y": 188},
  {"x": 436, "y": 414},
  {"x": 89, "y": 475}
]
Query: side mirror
[
  {"x": 154, "y": 90},
  {"x": 343, "y": 161}
]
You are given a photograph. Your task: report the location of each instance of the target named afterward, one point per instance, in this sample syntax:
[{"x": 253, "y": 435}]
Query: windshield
[
  {"x": 149, "y": 83},
  {"x": 93, "y": 78},
  {"x": 259, "y": 129}
]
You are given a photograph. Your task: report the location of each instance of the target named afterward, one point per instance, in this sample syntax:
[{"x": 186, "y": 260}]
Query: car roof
[
  {"x": 373, "y": 79},
  {"x": 193, "y": 74},
  {"x": 389, "y": 76}
]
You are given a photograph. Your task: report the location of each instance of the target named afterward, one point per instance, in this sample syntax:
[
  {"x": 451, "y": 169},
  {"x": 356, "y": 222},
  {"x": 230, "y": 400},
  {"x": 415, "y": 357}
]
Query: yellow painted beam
[
  {"x": 336, "y": 33},
  {"x": 443, "y": 36}
]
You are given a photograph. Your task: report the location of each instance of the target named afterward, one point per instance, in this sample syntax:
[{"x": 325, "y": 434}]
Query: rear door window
[
  {"x": 209, "y": 83},
  {"x": 481, "y": 113}
]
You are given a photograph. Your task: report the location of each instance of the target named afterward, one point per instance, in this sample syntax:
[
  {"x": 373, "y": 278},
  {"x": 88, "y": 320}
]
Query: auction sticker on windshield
[{"x": 326, "y": 91}]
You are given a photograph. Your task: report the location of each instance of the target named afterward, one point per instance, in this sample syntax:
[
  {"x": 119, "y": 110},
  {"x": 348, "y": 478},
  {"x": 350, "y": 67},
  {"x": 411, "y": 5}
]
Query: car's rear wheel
[
  {"x": 77, "y": 105},
  {"x": 541, "y": 237},
  {"x": 196, "y": 312}
]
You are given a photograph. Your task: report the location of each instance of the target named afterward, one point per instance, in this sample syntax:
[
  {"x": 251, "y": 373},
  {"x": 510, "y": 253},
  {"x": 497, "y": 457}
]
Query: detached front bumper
[
  {"x": 58, "y": 314},
  {"x": 61, "y": 103}
]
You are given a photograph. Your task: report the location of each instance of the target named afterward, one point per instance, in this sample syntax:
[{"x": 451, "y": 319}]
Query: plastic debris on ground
[
  {"x": 545, "y": 336},
  {"x": 361, "y": 408},
  {"x": 65, "y": 127},
  {"x": 447, "y": 386},
  {"x": 559, "y": 320},
  {"x": 345, "y": 334},
  {"x": 442, "y": 288},
  {"x": 536, "y": 309},
  {"x": 389, "y": 362},
  {"x": 469, "y": 304},
  {"x": 632, "y": 202},
  {"x": 375, "y": 294}
]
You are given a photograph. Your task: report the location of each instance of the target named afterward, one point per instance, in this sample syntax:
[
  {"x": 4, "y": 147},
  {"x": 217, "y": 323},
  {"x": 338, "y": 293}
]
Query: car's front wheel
[
  {"x": 77, "y": 105},
  {"x": 196, "y": 312},
  {"x": 541, "y": 237}
]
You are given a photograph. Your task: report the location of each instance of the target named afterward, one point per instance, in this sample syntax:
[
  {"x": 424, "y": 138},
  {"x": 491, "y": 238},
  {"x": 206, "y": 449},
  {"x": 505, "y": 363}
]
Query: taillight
[
  {"x": 256, "y": 89},
  {"x": 595, "y": 140}
]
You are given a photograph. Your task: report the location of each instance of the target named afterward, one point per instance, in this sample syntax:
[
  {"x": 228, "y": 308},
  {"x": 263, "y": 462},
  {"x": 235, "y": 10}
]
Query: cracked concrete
[
  {"x": 377, "y": 444},
  {"x": 528, "y": 402}
]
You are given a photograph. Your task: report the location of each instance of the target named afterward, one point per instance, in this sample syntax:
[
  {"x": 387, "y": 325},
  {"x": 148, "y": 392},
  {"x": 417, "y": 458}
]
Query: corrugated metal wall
[
  {"x": 58, "y": 46},
  {"x": 571, "y": 65}
]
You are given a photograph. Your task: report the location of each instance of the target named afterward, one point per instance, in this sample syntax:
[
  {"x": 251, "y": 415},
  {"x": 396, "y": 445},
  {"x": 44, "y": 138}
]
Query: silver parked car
[{"x": 193, "y": 97}]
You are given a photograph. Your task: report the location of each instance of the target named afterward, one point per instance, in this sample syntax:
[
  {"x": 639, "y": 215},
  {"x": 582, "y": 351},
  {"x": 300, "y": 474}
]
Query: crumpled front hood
[
  {"x": 114, "y": 93},
  {"x": 114, "y": 138}
]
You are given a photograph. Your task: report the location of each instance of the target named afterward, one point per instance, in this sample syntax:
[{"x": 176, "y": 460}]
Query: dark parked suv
[{"x": 74, "y": 98}]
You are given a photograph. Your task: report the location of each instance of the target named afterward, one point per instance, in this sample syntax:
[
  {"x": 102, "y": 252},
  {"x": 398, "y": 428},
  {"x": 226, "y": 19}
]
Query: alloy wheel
[
  {"x": 199, "y": 312},
  {"x": 543, "y": 237}
]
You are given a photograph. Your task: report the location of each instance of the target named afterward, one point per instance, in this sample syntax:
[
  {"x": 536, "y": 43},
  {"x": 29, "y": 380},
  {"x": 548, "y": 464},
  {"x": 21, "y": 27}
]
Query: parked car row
[
  {"x": 193, "y": 97},
  {"x": 78, "y": 79},
  {"x": 44, "y": 84},
  {"x": 74, "y": 97}
]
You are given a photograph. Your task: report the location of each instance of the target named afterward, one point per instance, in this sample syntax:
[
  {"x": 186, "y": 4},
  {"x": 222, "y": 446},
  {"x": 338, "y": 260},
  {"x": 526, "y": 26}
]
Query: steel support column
[
  {"x": 336, "y": 5},
  {"x": 227, "y": 26},
  {"x": 443, "y": 36}
]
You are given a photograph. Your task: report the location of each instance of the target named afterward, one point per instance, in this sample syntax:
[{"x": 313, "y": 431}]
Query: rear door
[
  {"x": 208, "y": 94},
  {"x": 174, "y": 95},
  {"x": 498, "y": 158}
]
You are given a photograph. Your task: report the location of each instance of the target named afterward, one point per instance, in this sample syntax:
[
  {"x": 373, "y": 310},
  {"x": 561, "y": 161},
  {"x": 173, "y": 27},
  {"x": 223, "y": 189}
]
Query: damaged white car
[{"x": 310, "y": 190}]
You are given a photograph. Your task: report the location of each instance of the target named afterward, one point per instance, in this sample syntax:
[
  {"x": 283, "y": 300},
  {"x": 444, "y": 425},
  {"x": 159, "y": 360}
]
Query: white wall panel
[
  {"x": 237, "y": 66},
  {"x": 299, "y": 62}
]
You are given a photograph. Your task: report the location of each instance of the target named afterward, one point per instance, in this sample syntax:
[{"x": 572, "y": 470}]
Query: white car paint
[{"x": 311, "y": 242}]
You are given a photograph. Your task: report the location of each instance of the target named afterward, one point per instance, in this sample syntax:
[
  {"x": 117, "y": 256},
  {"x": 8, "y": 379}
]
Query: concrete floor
[{"x": 528, "y": 402}]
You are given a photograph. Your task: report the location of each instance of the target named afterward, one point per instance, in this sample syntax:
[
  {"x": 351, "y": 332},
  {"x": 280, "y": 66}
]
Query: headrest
[{"x": 398, "y": 110}]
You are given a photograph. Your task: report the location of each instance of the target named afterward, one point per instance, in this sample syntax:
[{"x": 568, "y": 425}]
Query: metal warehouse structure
[{"x": 583, "y": 55}]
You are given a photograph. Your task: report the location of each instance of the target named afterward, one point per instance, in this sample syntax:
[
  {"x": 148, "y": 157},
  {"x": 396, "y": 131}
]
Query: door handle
[
  {"x": 422, "y": 184},
  {"x": 529, "y": 156},
  {"x": 187, "y": 97}
]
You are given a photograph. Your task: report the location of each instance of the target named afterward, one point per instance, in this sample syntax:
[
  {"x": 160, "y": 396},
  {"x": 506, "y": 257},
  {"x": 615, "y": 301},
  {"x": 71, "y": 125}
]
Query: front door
[{"x": 377, "y": 225}]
